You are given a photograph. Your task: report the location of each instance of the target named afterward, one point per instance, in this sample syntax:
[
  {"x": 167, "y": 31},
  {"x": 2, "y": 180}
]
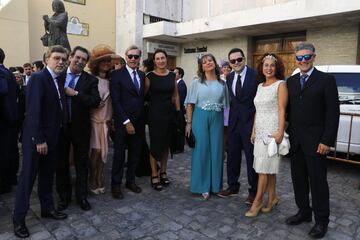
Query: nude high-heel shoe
[
  {"x": 273, "y": 204},
  {"x": 255, "y": 212}
]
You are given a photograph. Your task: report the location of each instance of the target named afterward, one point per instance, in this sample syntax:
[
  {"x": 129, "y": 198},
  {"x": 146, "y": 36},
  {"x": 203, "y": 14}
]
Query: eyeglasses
[
  {"x": 239, "y": 60},
  {"x": 58, "y": 58},
  {"x": 130, "y": 56},
  {"x": 307, "y": 57}
]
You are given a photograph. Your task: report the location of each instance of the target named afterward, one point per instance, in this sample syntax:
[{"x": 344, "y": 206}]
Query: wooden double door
[{"x": 282, "y": 46}]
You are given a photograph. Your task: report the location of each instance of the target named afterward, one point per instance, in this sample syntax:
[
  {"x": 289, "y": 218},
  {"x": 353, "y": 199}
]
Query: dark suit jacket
[
  {"x": 313, "y": 112},
  {"x": 242, "y": 108},
  {"x": 127, "y": 102},
  {"x": 8, "y": 102},
  {"x": 43, "y": 111},
  {"x": 88, "y": 97},
  {"x": 182, "y": 89}
]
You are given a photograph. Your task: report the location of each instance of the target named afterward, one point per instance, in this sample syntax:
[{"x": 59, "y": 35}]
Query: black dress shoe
[
  {"x": 54, "y": 215},
  {"x": 20, "y": 230},
  {"x": 298, "y": 218},
  {"x": 318, "y": 231},
  {"x": 62, "y": 205},
  {"x": 116, "y": 192},
  {"x": 133, "y": 187},
  {"x": 84, "y": 204}
]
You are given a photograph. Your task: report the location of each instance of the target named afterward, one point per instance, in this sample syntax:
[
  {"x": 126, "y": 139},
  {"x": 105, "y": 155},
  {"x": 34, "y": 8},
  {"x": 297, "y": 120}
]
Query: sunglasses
[
  {"x": 130, "y": 56},
  {"x": 307, "y": 57},
  {"x": 239, "y": 60}
]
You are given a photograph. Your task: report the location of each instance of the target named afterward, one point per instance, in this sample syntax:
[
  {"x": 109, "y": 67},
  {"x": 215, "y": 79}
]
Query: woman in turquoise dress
[{"x": 206, "y": 100}]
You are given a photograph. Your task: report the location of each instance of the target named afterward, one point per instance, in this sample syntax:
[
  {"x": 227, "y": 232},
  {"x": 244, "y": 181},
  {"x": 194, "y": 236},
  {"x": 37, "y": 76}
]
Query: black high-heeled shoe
[
  {"x": 164, "y": 179},
  {"x": 156, "y": 185}
]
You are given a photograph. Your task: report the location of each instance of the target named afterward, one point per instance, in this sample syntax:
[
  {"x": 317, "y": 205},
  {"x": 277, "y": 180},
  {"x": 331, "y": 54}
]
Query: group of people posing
[{"x": 70, "y": 113}]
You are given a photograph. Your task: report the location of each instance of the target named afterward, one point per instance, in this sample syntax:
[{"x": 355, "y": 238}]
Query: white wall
[
  {"x": 335, "y": 45},
  {"x": 129, "y": 22},
  {"x": 168, "y": 9}
]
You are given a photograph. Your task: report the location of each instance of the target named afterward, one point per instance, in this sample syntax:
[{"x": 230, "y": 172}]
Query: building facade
[
  {"x": 21, "y": 26},
  {"x": 186, "y": 29},
  {"x": 256, "y": 26}
]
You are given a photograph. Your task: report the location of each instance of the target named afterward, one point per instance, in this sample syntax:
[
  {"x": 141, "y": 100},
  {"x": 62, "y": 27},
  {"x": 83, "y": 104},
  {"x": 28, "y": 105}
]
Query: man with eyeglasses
[
  {"x": 43, "y": 120},
  {"x": 313, "y": 117},
  {"x": 127, "y": 96},
  {"x": 242, "y": 87}
]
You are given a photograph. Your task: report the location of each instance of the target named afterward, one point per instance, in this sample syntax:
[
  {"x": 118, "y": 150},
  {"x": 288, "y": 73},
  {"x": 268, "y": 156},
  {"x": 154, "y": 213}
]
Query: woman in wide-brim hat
[{"x": 101, "y": 63}]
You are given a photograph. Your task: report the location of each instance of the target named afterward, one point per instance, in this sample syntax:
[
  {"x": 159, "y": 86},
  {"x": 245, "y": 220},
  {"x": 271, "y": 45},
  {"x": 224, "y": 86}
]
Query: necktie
[
  {"x": 238, "y": 86},
  {"x": 58, "y": 91},
  {"x": 63, "y": 102},
  {"x": 72, "y": 86},
  {"x": 302, "y": 80},
  {"x": 135, "y": 81}
]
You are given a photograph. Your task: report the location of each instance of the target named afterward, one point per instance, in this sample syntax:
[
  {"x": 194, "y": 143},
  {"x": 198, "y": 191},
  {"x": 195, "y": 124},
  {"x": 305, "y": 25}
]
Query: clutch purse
[{"x": 190, "y": 139}]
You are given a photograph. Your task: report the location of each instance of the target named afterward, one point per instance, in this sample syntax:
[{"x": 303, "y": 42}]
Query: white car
[{"x": 348, "y": 82}]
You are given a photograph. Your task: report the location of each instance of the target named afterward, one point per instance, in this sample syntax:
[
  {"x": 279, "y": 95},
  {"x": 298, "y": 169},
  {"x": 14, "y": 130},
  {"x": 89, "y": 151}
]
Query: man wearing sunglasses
[
  {"x": 242, "y": 87},
  {"x": 313, "y": 117},
  {"x": 127, "y": 95}
]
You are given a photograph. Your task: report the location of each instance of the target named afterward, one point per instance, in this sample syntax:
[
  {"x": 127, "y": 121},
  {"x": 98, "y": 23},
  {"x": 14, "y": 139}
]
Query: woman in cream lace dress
[{"x": 270, "y": 102}]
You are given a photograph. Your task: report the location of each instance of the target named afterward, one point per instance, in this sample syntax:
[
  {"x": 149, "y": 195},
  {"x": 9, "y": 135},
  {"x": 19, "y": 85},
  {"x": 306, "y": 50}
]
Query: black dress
[{"x": 161, "y": 112}]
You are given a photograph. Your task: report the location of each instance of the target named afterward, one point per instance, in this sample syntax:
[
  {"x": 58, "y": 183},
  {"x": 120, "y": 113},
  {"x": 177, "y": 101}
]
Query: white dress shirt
[{"x": 242, "y": 75}]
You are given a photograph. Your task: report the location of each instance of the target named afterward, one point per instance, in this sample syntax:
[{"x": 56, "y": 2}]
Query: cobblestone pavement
[{"x": 175, "y": 213}]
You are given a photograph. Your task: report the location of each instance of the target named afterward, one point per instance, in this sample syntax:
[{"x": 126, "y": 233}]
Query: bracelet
[{"x": 188, "y": 122}]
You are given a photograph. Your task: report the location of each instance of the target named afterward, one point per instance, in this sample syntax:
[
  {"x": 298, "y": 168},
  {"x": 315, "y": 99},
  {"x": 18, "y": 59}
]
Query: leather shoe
[
  {"x": 62, "y": 205},
  {"x": 249, "y": 200},
  {"x": 116, "y": 192},
  {"x": 318, "y": 231},
  {"x": 20, "y": 230},
  {"x": 84, "y": 204},
  {"x": 227, "y": 193},
  {"x": 298, "y": 218},
  {"x": 54, "y": 214},
  {"x": 133, "y": 187}
]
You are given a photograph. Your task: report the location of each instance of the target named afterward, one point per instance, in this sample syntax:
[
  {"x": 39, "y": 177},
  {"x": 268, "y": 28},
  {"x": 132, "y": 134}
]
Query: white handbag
[{"x": 282, "y": 149}]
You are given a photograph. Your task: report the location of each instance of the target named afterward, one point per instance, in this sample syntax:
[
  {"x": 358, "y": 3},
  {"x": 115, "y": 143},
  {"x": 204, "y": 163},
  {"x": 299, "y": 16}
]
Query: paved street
[{"x": 177, "y": 214}]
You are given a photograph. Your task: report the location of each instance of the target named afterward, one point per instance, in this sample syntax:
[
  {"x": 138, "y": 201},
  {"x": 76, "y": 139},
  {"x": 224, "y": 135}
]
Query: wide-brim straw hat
[{"x": 101, "y": 52}]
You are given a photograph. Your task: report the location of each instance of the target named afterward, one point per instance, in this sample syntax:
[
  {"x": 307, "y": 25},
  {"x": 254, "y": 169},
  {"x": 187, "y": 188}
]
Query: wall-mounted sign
[
  {"x": 82, "y": 2},
  {"x": 171, "y": 50},
  {"x": 195, "y": 49},
  {"x": 76, "y": 27}
]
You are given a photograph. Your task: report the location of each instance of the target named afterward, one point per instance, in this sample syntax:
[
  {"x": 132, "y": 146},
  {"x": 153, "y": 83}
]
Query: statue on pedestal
[{"x": 55, "y": 26}]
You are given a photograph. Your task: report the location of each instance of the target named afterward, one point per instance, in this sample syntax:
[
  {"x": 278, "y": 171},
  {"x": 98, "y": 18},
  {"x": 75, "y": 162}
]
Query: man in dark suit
[
  {"x": 182, "y": 89},
  {"x": 9, "y": 154},
  {"x": 242, "y": 87},
  {"x": 81, "y": 89},
  {"x": 313, "y": 123},
  {"x": 127, "y": 95},
  {"x": 43, "y": 120}
]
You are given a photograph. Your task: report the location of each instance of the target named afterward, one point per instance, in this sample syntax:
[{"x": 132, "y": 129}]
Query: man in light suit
[
  {"x": 43, "y": 120},
  {"x": 127, "y": 95},
  {"x": 242, "y": 87},
  {"x": 313, "y": 115},
  {"x": 81, "y": 89}
]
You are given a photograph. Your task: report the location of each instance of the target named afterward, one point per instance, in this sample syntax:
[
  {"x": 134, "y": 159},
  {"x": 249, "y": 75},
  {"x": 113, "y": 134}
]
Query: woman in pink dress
[{"x": 101, "y": 63}]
